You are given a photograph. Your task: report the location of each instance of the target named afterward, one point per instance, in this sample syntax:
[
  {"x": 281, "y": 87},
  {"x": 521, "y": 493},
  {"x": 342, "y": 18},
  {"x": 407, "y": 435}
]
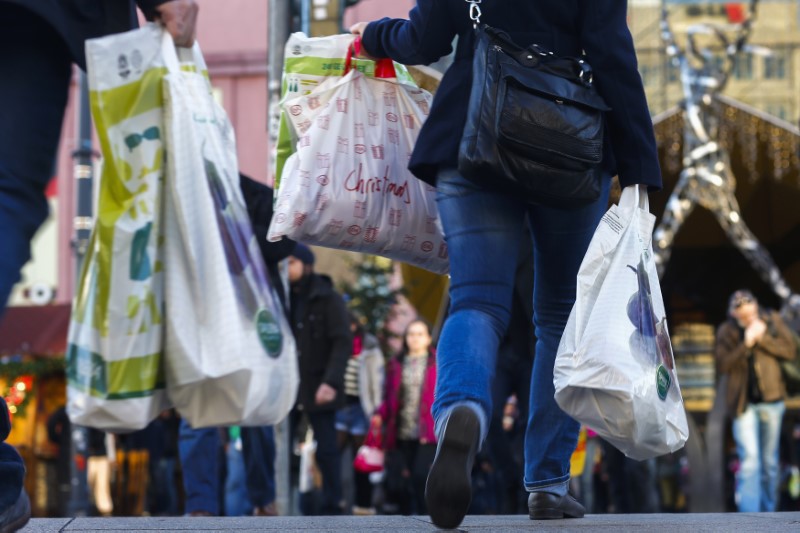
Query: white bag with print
[
  {"x": 615, "y": 371},
  {"x": 348, "y": 185},
  {"x": 230, "y": 353}
]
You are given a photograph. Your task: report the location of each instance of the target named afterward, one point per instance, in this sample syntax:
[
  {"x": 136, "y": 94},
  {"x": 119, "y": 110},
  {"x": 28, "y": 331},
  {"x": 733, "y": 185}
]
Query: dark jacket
[
  {"x": 733, "y": 359},
  {"x": 322, "y": 331},
  {"x": 259, "y": 199},
  {"x": 389, "y": 410},
  {"x": 78, "y": 20},
  {"x": 566, "y": 27}
]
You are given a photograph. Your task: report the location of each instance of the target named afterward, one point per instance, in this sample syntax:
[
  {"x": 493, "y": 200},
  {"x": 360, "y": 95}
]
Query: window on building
[
  {"x": 778, "y": 110},
  {"x": 743, "y": 67},
  {"x": 775, "y": 66}
]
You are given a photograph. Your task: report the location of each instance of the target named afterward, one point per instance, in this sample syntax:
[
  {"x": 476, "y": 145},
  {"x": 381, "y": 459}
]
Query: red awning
[{"x": 37, "y": 330}]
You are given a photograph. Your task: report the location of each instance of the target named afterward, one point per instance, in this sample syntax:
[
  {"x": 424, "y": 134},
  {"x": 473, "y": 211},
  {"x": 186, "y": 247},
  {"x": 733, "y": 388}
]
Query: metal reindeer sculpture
[{"x": 706, "y": 178}]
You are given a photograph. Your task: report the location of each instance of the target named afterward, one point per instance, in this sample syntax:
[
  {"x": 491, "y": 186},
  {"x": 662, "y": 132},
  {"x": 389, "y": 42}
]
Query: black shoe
[
  {"x": 547, "y": 506},
  {"x": 448, "y": 491},
  {"x": 16, "y": 516}
]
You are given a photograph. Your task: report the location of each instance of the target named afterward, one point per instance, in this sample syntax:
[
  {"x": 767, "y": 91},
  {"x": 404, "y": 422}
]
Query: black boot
[{"x": 448, "y": 491}]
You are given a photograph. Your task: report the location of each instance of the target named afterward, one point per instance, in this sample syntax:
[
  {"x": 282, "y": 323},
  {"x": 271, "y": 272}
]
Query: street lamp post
[{"x": 82, "y": 225}]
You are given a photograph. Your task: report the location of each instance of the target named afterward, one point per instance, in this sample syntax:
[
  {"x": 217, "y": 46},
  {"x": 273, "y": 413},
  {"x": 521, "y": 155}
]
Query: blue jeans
[
  {"x": 237, "y": 501},
  {"x": 483, "y": 234},
  {"x": 258, "y": 448},
  {"x": 352, "y": 420},
  {"x": 32, "y": 103},
  {"x": 200, "y": 464},
  {"x": 757, "y": 434}
]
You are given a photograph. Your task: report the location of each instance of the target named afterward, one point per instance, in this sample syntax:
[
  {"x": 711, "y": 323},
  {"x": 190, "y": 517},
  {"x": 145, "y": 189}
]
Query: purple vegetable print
[{"x": 640, "y": 313}]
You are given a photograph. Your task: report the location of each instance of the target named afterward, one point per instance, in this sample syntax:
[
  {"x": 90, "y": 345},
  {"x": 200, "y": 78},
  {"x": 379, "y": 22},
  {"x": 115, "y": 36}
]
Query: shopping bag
[
  {"x": 348, "y": 185},
  {"x": 615, "y": 371},
  {"x": 230, "y": 353},
  {"x": 313, "y": 63},
  {"x": 369, "y": 457},
  {"x": 115, "y": 375},
  {"x": 310, "y": 476}
]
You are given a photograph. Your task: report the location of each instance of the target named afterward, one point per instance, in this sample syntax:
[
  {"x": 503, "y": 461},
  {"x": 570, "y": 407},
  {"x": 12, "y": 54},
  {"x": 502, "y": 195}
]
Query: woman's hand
[
  {"x": 179, "y": 17},
  {"x": 358, "y": 29}
]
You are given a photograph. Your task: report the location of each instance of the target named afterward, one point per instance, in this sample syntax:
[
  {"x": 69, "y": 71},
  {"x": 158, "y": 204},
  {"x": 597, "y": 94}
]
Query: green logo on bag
[
  {"x": 663, "y": 382},
  {"x": 269, "y": 332}
]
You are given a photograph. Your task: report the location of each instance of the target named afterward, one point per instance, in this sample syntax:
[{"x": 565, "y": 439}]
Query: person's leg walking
[
  {"x": 199, "y": 455},
  {"x": 258, "y": 447},
  {"x": 770, "y": 417},
  {"x": 482, "y": 230},
  {"x": 328, "y": 460},
  {"x": 560, "y": 240},
  {"x": 748, "y": 479},
  {"x": 32, "y": 103},
  {"x": 33, "y": 96}
]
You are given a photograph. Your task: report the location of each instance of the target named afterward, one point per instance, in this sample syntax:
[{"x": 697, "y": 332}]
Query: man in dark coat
[
  {"x": 324, "y": 343},
  {"x": 39, "y": 41}
]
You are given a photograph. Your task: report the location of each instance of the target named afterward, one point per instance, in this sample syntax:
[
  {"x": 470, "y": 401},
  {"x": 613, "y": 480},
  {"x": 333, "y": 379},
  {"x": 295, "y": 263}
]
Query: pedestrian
[
  {"x": 363, "y": 390},
  {"x": 324, "y": 344},
  {"x": 749, "y": 347},
  {"x": 39, "y": 40},
  {"x": 482, "y": 229},
  {"x": 405, "y": 414}
]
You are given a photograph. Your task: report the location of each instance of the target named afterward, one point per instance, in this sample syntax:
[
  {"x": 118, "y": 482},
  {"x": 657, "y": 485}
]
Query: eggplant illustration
[
  {"x": 234, "y": 239},
  {"x": 236, "y": 235},
  {"x": 641, "y": 314}
]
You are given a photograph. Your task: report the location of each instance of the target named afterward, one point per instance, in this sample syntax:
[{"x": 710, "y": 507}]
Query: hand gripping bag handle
[
  {"x": 384, "y": 68},
  {"x": 635, "y": 196},
  {"x": 173, "y": 56}
]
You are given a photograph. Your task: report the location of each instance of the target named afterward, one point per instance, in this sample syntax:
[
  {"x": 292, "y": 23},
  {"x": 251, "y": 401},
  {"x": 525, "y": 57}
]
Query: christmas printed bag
[
  {"x": 310, "y": 64},
  {"x": 115, "y": 373},
  {"x": 231, "y": 357},
  {"x": 615, "y": 371},
  {"x": 348, "y": 186}
]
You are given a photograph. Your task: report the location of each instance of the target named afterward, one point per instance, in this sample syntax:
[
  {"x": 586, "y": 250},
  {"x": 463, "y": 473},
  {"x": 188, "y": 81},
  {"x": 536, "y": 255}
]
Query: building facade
[{"x": 769, "y": 83}]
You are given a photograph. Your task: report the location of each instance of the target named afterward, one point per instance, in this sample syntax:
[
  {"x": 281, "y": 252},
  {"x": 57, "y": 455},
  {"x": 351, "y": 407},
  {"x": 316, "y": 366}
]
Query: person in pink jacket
[{"x": 405, "y": 414}]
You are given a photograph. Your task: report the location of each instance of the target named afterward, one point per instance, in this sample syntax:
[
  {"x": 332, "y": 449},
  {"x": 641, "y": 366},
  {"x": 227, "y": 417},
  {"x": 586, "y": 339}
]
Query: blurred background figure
[
  {"x": 324, "y": 345},
  {"x": 749, "y": 347},
  {"x": 363, "y": 389},
  {"x": 409, "y": 438}
]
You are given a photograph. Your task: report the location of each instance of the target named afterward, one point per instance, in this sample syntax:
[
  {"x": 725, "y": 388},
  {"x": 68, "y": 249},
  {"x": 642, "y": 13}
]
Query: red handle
[{"x": 384, "y": 68}]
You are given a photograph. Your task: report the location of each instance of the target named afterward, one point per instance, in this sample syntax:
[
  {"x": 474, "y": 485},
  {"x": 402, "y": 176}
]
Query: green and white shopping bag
[{"x": 114, "y": 358}]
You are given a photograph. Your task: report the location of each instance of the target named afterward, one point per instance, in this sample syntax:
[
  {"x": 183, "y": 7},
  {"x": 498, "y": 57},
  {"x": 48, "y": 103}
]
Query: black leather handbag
[{"x": 535, "y": 123}]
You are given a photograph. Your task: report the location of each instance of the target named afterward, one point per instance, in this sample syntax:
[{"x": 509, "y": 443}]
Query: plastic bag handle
[
  {"x": 173, "y": 56},
  {"x": 635, "y": 196},
  {"x": 384, "y": 68}
]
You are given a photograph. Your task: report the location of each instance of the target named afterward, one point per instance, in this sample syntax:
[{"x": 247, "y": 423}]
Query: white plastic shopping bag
[
  {"x": 230, "y": 353},
  {"x": 348, "y": 185},
  {"x": 314, "y": 63},
  {"x": 615, "y": 371},
  {"x": 114, "y": 357}
]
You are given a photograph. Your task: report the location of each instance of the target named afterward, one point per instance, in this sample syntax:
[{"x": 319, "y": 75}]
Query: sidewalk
[{"x": 657, "y": 523}]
